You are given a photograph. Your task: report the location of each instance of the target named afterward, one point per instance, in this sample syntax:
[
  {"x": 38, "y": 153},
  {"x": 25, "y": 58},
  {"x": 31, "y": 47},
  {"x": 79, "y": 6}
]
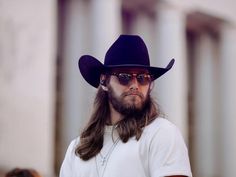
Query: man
[{"x": 125, "y": 136}]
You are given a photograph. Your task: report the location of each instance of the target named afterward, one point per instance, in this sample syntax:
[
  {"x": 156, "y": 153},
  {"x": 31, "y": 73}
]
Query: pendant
[{"x": 103, "y": 161}]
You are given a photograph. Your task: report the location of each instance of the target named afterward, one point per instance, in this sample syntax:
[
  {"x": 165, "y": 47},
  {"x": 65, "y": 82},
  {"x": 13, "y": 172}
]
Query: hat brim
[{"x": 91, "y": 69}]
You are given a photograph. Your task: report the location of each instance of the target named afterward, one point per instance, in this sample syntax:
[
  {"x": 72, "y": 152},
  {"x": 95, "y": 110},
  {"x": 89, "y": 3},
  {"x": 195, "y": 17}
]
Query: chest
[{"x": 117, "y": 159}]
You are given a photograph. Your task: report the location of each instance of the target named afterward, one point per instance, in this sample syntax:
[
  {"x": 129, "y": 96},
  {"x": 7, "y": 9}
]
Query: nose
[{"x": 134, "y": 84}]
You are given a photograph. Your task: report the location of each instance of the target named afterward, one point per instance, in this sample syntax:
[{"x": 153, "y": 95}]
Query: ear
[
  {"x": 104, "y": 88},
  {"x": 103, "y": 82}
]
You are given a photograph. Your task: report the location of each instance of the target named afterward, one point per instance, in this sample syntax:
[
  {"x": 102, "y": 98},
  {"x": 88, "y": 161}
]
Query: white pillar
[
  {"x": 27, "y": 85},
  {"x": 74, "y": 43},
  {"x": 204, "y": 108},
  {"x": 228, "y": 100},
  {"x": 171, "y": 43},
  {"x": 144, "y": 26},
  {"x": 106, "y": 25}
]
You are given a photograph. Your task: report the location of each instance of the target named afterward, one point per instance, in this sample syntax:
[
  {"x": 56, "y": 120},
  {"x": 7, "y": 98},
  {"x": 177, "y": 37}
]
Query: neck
[{"x": 115, "y": 116}]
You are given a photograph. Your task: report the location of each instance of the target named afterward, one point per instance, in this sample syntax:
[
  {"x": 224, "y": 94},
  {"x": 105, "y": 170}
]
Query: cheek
[
  {"x": 117, "y": 88},
  {"x": 113, "y": 91},
  {"x": 145, "y": 91}
]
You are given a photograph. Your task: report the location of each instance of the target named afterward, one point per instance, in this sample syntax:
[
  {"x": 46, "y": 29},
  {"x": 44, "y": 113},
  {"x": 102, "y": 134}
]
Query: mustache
[{"x": 133, "y": 93}]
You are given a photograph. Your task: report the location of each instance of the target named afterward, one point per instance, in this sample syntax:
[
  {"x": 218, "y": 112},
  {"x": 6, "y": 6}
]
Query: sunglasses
[{"x": 126, "y": 78}]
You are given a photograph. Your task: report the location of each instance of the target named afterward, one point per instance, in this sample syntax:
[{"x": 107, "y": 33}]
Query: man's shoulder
[
  {"x": 160, "y": 123},
  {"x": 161, "y": 131},
  {"x": 73, "y": 144},
  {"x": 160, "y": 126}
]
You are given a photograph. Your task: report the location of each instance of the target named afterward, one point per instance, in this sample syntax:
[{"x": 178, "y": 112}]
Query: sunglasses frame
[{"x": 131, "y": 77}]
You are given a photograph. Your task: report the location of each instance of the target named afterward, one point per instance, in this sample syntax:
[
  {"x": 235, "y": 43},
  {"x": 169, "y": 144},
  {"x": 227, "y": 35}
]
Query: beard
[{"x": 129, "y": 108}]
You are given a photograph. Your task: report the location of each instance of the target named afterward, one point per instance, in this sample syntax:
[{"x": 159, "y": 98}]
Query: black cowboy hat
[{"x": 126, "y": 51}]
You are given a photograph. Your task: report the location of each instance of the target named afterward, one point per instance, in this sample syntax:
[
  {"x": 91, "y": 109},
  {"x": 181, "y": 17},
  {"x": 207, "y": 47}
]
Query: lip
[{"x": 133, "y": 94}]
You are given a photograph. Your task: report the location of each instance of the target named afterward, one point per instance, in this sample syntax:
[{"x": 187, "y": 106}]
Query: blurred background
[{"x": 44, "y": 102}]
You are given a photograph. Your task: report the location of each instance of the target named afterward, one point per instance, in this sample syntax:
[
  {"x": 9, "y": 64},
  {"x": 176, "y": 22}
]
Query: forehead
[{"x": 130, "y": 70}]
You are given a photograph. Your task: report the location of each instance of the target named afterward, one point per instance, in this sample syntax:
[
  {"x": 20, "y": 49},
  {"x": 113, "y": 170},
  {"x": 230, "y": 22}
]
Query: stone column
[
  {"x": 144, "y": 25},
  {"x": 27, "y": 85},
  {"x": 228, "y": 100},
  {"x": 105, "y": 25},
  {"x": 171, "y": 43},
  {"x": 204, "y": 107},
  {"x": 74, "y": 41}
]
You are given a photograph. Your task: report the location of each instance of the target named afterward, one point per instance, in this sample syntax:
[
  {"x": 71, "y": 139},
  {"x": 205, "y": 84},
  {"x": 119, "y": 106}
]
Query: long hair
[{"x": 91, "y": 139}]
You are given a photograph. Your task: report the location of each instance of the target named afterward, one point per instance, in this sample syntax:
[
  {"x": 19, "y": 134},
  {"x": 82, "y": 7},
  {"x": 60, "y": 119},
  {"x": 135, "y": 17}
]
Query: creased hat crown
[{"x": 127, "y": 50}]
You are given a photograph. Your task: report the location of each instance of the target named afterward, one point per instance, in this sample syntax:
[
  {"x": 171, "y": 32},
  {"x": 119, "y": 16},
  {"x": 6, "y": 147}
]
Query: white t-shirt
[{"x": 160, "y": 151}]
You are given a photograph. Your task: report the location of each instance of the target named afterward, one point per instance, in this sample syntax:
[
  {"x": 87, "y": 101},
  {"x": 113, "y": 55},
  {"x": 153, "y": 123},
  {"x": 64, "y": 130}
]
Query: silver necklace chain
[{"x": 104, "y": 159}]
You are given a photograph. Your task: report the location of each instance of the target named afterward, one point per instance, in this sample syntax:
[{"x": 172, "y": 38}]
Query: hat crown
[{"x": 127, "y": 50}]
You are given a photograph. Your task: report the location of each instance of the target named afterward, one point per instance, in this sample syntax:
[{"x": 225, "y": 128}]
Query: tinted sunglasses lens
[
  {"x": 124, "y": 78},
  {"x": 143, "y": 79}
]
